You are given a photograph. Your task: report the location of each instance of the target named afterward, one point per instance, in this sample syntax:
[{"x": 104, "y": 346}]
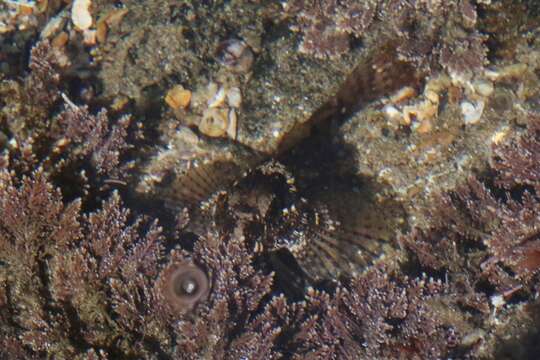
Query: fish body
[{"x": 253, "y": 195}]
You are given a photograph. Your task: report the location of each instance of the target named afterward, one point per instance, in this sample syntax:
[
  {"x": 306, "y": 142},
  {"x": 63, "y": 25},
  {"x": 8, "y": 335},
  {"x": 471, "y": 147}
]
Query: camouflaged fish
[{"x": 253, "y": 195}]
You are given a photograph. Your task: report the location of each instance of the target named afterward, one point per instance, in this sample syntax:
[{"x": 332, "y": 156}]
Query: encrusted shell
[
  {"x": 214, "y": 122},
  {"x": 236, "y": 55},
  {"x": 472, "y": 112}
]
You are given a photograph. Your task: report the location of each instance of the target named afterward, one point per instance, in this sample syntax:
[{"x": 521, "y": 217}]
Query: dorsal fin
[
  {"x": 193, "y": 167},
  {"x": 379, "y": 74}
]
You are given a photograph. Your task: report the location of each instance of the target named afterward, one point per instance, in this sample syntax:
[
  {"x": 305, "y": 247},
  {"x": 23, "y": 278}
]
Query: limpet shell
[
  {"x": 232, "y": 124},
  {"x": 214, "y": 122}
]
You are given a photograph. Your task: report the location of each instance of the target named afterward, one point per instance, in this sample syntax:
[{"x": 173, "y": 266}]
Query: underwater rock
[
  {"x": 279, "y": 86},
  {"x": 396, "y": 150},
  {"x": 284, "y": 246}
]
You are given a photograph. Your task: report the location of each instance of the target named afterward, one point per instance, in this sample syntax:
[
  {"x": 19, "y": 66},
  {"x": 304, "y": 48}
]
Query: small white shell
[
  {"x": 218, "y": 99},
  {"x": 80, "y": 14},
  {"x": 391, "y": 112},
  {"x": 472, "y": 113},
  {"x": 234, "y": 97},
  {"x": 54, "y": 25},
  {"x": 236, "y": 55},
  {"x": 214, "y": 122},
  {"x": 484, "y": 88},
  {"x": 432, "y": 96},
  {"x": 89, "y": 37},
  {"x": 232, "y": 124}
]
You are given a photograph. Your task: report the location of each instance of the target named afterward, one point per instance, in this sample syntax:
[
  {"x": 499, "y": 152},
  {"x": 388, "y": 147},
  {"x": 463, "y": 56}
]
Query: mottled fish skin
[
  {"x": 249, "y": 194},
  {"x": 268, "y": 211}
]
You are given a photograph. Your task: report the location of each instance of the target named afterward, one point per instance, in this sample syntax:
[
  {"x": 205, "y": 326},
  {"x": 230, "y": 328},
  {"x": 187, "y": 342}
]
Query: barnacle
[
  {"x": 183, "y": 285},
  {"x": 235, "y": 54}
]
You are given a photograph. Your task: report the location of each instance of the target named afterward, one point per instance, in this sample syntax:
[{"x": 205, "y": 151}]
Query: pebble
[
  {"x": 218, "y": 98},
  {"x": 425, "y": 110},
  {"x": 54, "y": 25},
  {"x": 89, "y": 37},
  {"x": 499, "y": 136},
  {"x": 232, "y": 124},
  {"x": 402, "y": 95},
  {"x": 391, "y": 112},
  {"x": 60, "y": 40},
  {"x": 234, "y": 97},
  {"x": 113, "y": 18},
  {"x": 509, "y": 71}
]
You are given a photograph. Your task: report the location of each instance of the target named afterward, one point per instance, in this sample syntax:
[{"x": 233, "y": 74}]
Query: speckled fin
[
  {"x": 193, "y": 168},
  {"x": 345, "y": 235},
  {"x": 379, "y": 74},
  {"x": 202, "y": 178},
  {"x": 333, "y": 249}
]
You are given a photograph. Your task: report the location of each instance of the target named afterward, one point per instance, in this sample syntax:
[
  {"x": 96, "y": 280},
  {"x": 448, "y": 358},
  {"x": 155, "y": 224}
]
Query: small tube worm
[{"x": 183, "y": 286}]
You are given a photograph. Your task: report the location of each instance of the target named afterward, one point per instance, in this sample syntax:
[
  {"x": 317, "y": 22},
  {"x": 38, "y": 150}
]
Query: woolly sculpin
[{"x": 253, "y": 195}]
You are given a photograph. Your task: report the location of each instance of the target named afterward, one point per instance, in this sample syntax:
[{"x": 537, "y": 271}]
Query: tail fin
[{"x": 340, "y": 238}]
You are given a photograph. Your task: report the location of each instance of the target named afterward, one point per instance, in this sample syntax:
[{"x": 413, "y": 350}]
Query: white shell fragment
[
  {"x": 214, "y": 122},
  {"x": 80, "y": 14},
  {"x": 235, "y": 54},
  {"x": 234, "y": 97},
  {"x": 472, "y": 112},
  {"x": 215, "y": 110},
  {"x": 89, "y": 37},
  {"x": 484, "y": 88},
  {"x": 54, "y": 25},
  {"x": 218, "y": 99},
  {"x": 232, "y": 124},
  {"x": 391, "y": 112}
]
